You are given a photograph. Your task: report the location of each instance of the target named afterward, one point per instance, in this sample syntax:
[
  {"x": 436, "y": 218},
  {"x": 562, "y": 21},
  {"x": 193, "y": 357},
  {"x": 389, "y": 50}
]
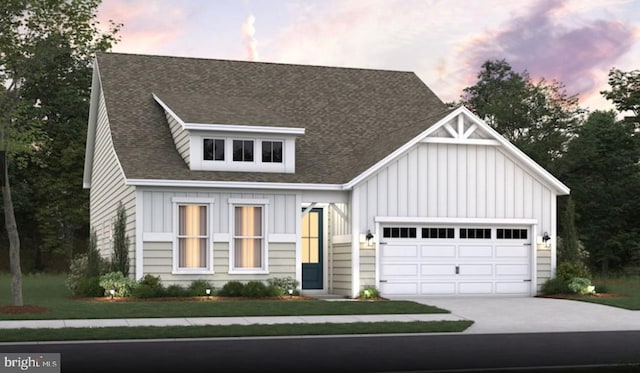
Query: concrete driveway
[{"x": 531, "y": 315}]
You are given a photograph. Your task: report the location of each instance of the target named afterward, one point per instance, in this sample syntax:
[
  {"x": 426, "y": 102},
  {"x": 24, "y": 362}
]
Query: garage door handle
[
  {"x": 526, "y": 280},
  {"x": 457, "y": 270},
  {"x": 383, "y": 280}
]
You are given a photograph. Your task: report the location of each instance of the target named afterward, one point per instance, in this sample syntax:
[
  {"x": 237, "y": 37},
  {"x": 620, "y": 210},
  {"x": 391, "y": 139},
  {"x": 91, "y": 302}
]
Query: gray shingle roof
[{"x": 353, "y": 118}]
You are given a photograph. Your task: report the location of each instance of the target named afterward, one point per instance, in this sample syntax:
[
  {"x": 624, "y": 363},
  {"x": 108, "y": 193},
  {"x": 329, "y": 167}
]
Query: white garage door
[{"x": 455, "y": 261}]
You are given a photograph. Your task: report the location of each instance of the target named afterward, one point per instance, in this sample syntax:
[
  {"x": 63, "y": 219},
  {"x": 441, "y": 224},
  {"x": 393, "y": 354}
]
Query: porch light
[
  {"x": 290, "y": 291},
  {"x": 112, "y": 292},
  {"x": 369, "y": 237},
  {"x": 208, "y": 291},
  {"x": 546, "y": 238}
]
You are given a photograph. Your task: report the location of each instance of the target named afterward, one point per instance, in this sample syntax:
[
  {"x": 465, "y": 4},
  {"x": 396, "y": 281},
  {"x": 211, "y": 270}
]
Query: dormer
[{"x": 233, "y": 147}]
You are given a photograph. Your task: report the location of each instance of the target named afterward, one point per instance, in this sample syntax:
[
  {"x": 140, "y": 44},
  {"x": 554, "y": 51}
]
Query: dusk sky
[{"x": 576, "y": 42}]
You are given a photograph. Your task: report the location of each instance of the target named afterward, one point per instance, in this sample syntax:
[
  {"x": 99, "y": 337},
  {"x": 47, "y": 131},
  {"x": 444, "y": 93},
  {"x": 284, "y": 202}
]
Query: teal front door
[{"x": 312, "y": 276}]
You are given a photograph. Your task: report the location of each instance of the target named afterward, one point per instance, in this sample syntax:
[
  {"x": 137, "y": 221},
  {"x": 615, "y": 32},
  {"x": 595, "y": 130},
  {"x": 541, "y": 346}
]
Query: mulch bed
[
  {"x": 190, "y": 299},
  {"x": 20, "y": 310},
  {"x": 578, "y": 296}
]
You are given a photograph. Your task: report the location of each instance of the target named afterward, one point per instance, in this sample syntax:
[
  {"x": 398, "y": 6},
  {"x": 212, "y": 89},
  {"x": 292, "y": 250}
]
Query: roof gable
[
  {"x": 352, "y": 117},
  {"x": 461, "y": 126}
]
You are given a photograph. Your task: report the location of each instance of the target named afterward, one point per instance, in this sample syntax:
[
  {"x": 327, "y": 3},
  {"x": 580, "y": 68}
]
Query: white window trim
[
  {"x": 197, "y": 161},
  {"x": 180, "y": 201},
  {"x": 264, "y": 203}
]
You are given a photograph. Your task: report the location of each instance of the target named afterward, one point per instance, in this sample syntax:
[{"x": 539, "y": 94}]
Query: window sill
[
  {"x": 248, "y": 272},
  {"x": 192, "y": 272}
]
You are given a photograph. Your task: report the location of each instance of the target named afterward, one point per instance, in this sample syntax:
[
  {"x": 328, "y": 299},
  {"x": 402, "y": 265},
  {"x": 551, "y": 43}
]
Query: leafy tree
[
  {"x": 601, "y": 167},
  {"x": 538, "y": 117},
  {"x": 45, "y": 48},
  {"x": 625, "y": 93},
  {"x": 120, "y": 258}
]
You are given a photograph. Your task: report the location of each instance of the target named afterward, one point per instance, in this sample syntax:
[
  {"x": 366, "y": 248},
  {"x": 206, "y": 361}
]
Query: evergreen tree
[{"x": 120, "y": 258}]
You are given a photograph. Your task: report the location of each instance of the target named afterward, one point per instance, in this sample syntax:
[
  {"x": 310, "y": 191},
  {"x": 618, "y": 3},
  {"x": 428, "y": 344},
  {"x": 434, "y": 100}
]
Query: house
[{"x": 339, "y": 177}]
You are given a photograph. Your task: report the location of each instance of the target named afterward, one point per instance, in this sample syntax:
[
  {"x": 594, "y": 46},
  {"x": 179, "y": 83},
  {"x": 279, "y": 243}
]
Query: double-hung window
[
  {"x": 192, "y": 246},
  {"x": 248, "y": 250}
]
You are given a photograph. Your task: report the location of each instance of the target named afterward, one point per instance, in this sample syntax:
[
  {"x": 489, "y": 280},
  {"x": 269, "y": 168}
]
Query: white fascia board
[
  {"x": 561, "y": 189},
  {"x": 168, "y": 110},
  {"x": 96, "y": 88},
  {"x": 232, "y": 184},
  {"x": 436, "y": 220},
  {"x": 239, "y": 128}
]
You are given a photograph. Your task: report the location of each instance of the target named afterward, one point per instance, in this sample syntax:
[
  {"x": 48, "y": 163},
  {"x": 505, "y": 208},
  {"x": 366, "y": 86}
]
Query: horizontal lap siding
[
  {"x": 158, "y": 260},
  {"x": 367, "y": 266},
  {"x": 180, "y": 137},
  {"x": 341, "y": 269},
  {"x": 108, "y": 189},
  {"x": 543, "y": 270}
]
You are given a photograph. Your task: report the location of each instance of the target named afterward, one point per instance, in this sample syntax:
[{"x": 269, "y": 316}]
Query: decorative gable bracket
[{"x": 460, "y": 130}]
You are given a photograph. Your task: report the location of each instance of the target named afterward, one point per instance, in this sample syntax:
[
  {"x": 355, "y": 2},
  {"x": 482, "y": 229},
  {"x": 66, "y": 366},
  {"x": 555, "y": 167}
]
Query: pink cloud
[
  {"x": 541, "y": 43},
  {"x": 147, "y": 26}
]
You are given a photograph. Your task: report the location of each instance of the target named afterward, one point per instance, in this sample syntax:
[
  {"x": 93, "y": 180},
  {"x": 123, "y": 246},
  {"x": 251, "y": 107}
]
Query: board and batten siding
[
  {"x": 455, "y": 181},
  {"x": 158, "y": 209},
  {"x": 158, "y": 260},
  {"x": 180, "y": 137},
  {"x": 108, "y": 189}
]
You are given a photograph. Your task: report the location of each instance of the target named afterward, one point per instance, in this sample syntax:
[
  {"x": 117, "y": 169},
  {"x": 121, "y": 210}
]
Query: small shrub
[
  {"x": 602, "y": 288},
  {"x": 581, "y": 285},
  {"x": 569, "y": 270},
  {"x": 176, "y": 291},
  {"x": 90, "y": 287},
  {"x": 369, "y": 292},
  {"x": 232, "y": 289},
  {"x": 255, "y": 289},
  {"x": 146, "y": 291},
  {"x": 555, "y": 286},
  {"x": 199, "y": 288},
  {"x": 283, "y": 284},
  {"x": 153, "y": 282},
  {"x": 116, "y": 281},
  {"x": 77, "y": 270}
]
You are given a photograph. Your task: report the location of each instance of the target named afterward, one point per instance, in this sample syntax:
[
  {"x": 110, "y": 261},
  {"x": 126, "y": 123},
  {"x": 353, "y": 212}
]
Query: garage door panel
[
  {"x": 437, "y": 269},
  {"x": 429, "y": 251},
  {"x": 512, "y": 287},
  {"x": 401, "y": 251},
  {"x": 438, "y": 288},
  {"x": 512, "y": 269},
  {"x": 466, "y": 251},
  {"x": 437, "y": 265},
  {"x": 476, "y": 270},
  {"x": 399, "y": 288},
  {"x": 475, "y": 287},
  {"x": 516, "y": 251},
  {"x": 400, "y": 270}
]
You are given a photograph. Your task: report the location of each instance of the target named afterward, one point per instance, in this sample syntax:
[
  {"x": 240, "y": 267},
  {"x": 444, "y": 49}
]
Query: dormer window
[
  {"x": 213, "y": 149},
  {"x": 243, "y": 150},
  {"x": 272, "y": 152}
]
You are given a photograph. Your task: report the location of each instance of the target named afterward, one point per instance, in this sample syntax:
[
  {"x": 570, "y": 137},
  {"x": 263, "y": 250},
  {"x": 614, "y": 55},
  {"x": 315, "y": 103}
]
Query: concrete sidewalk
[{"x": 201, "y": 321}]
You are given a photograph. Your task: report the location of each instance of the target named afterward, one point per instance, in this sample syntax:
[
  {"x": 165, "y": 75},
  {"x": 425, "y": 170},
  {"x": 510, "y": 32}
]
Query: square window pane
[{"x": 248, "y": 253}]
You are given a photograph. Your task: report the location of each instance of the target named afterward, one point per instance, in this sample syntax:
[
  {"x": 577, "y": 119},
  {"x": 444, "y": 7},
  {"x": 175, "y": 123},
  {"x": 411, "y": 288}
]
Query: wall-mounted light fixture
[
  {"x": 369, "y": 237},
  {"x": 546, "y": 238}
]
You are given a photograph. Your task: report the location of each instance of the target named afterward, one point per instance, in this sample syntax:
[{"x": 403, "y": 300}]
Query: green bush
[
  {"x": 555, "y": 286},
  {"x": 153, "y": 282},
  {"x": 369, "y": 292},
  {"x": 282, "y": 285},
  {"x": 569, "y": 270},
  {"x": 199, "y": 288},
  {"x": 77, "y": 270},
  {"x": 602, "y": 288},
  {"x": 255, "y": 289},
  {"x": 146, "y": 291},
  {"x": 177, "y": 291},
  {"x": 232, "y": 289},
  {"x": 90, "y": 287},
  {"x": 580, "y": 285},
  {"x": 116, "y": 281}
]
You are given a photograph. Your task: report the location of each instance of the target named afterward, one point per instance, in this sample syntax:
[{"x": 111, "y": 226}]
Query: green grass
[
  {"x": 628, "y": 287},
  {"x": 14, "y": 335},
  {"x": 49, "y": 291}
]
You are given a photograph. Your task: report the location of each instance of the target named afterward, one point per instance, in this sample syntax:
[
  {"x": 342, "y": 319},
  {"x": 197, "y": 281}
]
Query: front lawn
[
  {"x": 49, "y": 291},
  {"x": 627, "y": 287}
]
